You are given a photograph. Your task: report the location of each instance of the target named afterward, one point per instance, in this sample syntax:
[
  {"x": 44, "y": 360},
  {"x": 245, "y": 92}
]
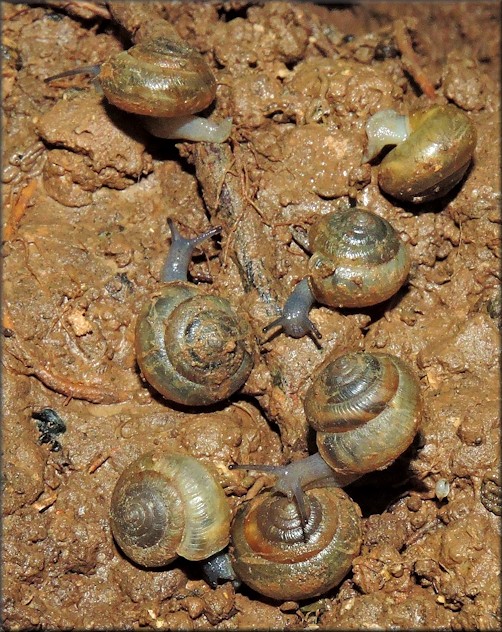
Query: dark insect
[{"x": 50, "y": 425}]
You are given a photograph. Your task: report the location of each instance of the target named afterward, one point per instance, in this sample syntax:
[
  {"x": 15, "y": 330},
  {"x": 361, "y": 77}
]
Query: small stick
[
  {"x": 100, "y": 459},
  {"x": 45, "y": 503},
  {"x": 410, "y": 60},
  {"x": 19, "y": 209}
]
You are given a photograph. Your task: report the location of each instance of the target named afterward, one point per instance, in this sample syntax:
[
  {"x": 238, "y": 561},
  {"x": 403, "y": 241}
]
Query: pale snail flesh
[
  {"x": 366, "y": 408},
  {"x": 434, "y": 148},
  {"x": 280, "y": 557},
  {"x": 168, "y": 505},
  {"x": 192, "y": 347},
  {"x": 358, "y": 260}
]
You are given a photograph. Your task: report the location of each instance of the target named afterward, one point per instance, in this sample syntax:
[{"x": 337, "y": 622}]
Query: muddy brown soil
[{"x": 86, "y": 194}]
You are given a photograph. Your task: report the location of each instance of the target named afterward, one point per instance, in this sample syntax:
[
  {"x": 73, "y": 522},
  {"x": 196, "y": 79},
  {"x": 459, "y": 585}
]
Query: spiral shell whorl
[
  {"x": 191, "y": 347},
  {"x": 352, "y": 390},
  {"x": 382, "y": 408},
  {"x": 167, "y": 506},
  {"x": 158, "y": 77},
  {"x": 433, "y": 159},
  {"x": 358, "y": 259},
  {"x": 295, "y": 567}
]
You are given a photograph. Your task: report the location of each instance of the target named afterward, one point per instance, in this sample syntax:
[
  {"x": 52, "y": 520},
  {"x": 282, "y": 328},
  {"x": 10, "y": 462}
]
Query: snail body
[
  {"x": 358, "y": 260},
  {"x": 434, "y": 148},
  {"x": 193, "y": 348},
  {"x": 168, "y": 505},
  {"x": 278, "y": 556},
  {"x": 165, "y": 81}
]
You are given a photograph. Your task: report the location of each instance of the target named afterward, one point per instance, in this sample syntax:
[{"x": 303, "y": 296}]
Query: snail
[
  {"x": 358, "y": 260},
  {"x": 365, "y": 408},
  {"x": 168, "y": 505},
  {"x": 434, "y": 147},
  {"x": 191, "y": 347},
  {"x": 164, "y": 80},
  {"x": 277, "y": 555}
]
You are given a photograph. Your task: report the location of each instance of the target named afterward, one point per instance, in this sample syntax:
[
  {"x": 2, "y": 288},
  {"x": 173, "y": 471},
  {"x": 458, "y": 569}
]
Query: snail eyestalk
[
  {"x": 180, "y": 253},
  {"x": 83, "y": 70},
  {"x": 294, "y": 320},
  {"x": 295, "y": 477}
]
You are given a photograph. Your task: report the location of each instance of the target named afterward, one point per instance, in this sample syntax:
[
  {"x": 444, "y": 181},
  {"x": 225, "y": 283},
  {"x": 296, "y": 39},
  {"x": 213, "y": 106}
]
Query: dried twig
[{"x": 410, "y": 61}]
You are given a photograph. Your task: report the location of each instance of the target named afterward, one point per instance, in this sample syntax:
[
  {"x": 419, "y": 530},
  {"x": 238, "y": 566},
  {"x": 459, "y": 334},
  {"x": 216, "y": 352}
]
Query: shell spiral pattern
[
  {"x": 366, "y": 410},
  {"x": 168, "y": 505},
  {"x": 358, "y": 259},
  {"x": 192, "y": 347}
]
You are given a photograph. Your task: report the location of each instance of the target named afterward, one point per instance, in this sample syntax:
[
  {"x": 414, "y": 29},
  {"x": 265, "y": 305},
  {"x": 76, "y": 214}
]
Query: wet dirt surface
[{"x": 86, "y": 194}]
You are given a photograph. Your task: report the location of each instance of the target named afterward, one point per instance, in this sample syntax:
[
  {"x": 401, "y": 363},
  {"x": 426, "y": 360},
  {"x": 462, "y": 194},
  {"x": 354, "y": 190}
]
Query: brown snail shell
[
  {"x": 192, "y": 347},
  {"x": 168, "y": 505},
  {"x": 278, "y": 557},
  {"x": 358, "y": 259},
  {"x": 366, "y": 410},
  {"x": 158, "y": 77},
  {"x": 434, "y": 157}
]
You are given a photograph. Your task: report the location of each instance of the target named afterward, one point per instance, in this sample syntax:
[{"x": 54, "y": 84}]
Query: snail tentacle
[
  {"x": 294, "y": 319},
  {"x": 178, "y": 258}
]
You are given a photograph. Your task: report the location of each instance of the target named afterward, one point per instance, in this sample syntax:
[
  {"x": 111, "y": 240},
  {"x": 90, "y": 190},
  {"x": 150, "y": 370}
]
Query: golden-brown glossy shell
[
  {"x": 433, "y": 159},
  {"x": 158, "y": 77},
  {"x": 366, "y": 409},
  {"x": 191, "y": 347},
  {"x": 271, "y": 554},
  {"x": 168, "y": 505},
  {"x": 358, "y": 259}
]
